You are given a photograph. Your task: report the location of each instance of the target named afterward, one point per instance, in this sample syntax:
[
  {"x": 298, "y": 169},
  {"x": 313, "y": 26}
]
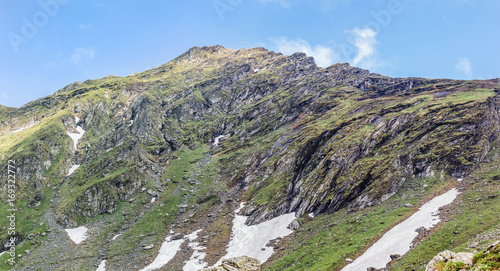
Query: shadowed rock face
[{"x": 297, "y": 138}]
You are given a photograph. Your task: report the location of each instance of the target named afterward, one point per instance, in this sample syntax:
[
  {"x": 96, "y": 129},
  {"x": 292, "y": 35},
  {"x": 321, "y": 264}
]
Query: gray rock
[
  {"x": 242, "y": 263},
  {"x": 177, "y": 236},
  {"x": 447, "y": 256},
  {"x": 148, "y": 246},
  {"x": 294, "y": 225}
]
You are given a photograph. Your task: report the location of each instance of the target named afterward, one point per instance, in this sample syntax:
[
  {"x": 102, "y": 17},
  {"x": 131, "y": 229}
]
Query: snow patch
[
  {"x": 251, "y": 240},
  {"x": 217, "y": 140},
  {"x": 196, "y": 261},
  {"x": 116, "y": 236},
  {"x": 24, "y": 128},
  {"x": 102, "y": 266},
  {"x": 170, "y": 248},
  {"x": 76, "y": 136},
  {"x": 73, "y": 169},
  {"x": 77, "y": 235},
  {"x": 399, "y": 239},
  {"x": 311, "y": 215},
  {"x": 167, "y": 252},
  {"x": 460, "y": 179},
  {"x": 153, "y": 200}
]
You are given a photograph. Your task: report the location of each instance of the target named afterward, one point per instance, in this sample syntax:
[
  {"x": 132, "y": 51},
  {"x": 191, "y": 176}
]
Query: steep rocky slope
[{"x": 176, "y": 148}]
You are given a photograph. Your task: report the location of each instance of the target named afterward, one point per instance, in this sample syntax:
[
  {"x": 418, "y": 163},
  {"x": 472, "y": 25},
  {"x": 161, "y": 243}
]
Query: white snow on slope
[
  {"x": 399, "y": 238},
  {"x": 116, "y": 236},
  {"x": 167, "y": 252},
  {"x": 196, "y": 261},
  {"x": 102, "y": 266},
  {"x": 251, "y": 240},
  {"x": 73, "y": 169},
  {"x": 77, "y": 235},
  {"x": 217, "y": 140},
  {"x": 24, "y": 128},
  {"x": 76, "y": 136}
]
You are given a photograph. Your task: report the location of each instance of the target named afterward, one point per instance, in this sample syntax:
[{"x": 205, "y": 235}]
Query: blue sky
[{"x": 47, "y": 44}]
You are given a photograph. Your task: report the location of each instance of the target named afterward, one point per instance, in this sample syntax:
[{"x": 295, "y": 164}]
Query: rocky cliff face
[{"x": 290, "y": 137}]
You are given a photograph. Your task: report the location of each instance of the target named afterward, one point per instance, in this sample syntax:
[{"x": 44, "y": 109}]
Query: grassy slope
[{"x": 475, "y": 213}]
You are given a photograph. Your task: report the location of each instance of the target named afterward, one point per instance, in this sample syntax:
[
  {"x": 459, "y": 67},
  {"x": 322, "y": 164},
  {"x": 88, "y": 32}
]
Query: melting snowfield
[
  {"x": 245, "y": 240},
  {"x": 251, "y": 240},
  {"x": 76, "y": 136},
  {"x": 196, "y": 261},
  {"x": 399, "y": 238},
  {"x": 77, "y": 235},
  {"x": 167, "y": 252},
  {"x": 73, "y": 169},
  {"x": 217, "y": 140},
  {"x": 102, "y": 266}
]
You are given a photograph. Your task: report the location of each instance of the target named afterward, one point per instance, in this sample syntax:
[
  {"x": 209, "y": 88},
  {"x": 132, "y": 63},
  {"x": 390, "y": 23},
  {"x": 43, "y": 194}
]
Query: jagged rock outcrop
[
  {"x": 488, "y": 259},
  {"x": 448, "y": 256},
  {"x": 242, "y": 263}
]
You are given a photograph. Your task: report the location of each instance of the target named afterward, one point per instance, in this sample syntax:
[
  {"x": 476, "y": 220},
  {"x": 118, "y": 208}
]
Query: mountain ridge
[{"x": 291, "y": 137}]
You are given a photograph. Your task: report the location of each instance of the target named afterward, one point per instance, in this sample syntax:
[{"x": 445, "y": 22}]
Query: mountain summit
[{"x": 313, "y": 163}]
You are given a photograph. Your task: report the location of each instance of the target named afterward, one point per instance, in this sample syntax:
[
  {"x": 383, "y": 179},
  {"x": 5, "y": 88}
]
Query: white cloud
[
  {"x": 81, "y": 53},
  {"x": 324, "y": 56},
  {"x": 283, "y": 3},
  {"x": 365, "y": 40},
  {"x": 86, "y": 26},
  {"x": 464, "y": 66}
]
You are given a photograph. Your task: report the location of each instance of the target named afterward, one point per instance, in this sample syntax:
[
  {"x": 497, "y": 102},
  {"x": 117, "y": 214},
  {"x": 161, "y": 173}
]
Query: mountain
[{"x": 184, "y": 151}]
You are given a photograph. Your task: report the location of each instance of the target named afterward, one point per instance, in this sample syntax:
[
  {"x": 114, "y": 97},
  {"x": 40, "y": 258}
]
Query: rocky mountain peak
[{"x": 175, "y": 150}]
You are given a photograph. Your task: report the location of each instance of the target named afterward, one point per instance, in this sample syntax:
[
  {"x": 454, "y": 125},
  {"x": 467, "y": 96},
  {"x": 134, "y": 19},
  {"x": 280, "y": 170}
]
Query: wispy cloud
[
  {"x": 86, "y": 26},
  {"x": 364, "y": 40},
  {"x": 464, "y": 66},
  {"x": 323, "y": 55},
  {"x": 81, "y": 53},
  {"x": 283, "y": 3}
]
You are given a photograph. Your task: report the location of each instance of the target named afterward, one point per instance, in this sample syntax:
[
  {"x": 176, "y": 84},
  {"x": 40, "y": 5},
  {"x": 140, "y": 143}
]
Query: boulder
[
  {"x": 242, "y": 263},
  {"x": 447, "y": 256},
  {"x": 294, "y": 225}
]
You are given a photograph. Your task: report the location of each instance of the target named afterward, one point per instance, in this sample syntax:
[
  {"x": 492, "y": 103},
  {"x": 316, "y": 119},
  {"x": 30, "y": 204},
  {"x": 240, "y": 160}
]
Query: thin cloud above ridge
[
  {"x": 323, "y": 55},
  {"x": 81, "y": 53},
  {"x": 463, "y": 65},
  {"x": 365, "y": 40}
]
